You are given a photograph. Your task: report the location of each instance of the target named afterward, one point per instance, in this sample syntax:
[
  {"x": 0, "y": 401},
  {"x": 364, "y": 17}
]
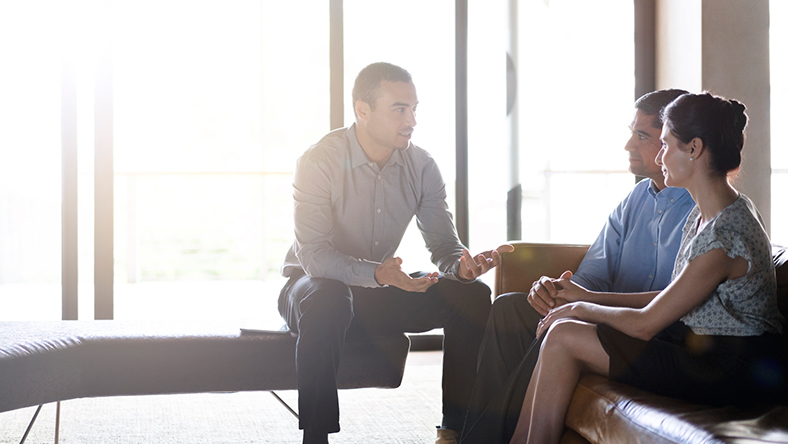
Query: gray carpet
[{"x": 407, "y": 414}]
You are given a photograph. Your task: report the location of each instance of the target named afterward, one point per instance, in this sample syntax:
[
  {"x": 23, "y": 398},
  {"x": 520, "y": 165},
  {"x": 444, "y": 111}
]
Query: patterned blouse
[{"x": 746, "y": 306}]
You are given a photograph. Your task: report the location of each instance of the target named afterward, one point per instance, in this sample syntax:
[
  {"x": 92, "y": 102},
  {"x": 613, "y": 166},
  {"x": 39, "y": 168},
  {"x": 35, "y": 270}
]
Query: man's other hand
[
  {"x": 390, "y": 273},
  {"x": 471, "y": 267},
  {"x": 542, "y": 296}
]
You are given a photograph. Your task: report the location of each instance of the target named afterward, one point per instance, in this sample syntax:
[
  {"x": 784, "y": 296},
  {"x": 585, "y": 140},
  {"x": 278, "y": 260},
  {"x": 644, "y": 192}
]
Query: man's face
[
  {"x": 643, "y": 146},
  {"x": 391, "y": 123}
]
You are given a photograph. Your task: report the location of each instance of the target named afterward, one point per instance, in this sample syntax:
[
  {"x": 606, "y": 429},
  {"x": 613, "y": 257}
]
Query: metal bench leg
[
  {"x": 283, "y": 403},
  {"x": 57, "y": 423},
  {"x": 30, "y": 426}
]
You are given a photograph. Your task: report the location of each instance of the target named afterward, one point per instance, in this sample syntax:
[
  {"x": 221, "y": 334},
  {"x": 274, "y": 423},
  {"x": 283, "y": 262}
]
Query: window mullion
[{"x": 68, "y": 135}]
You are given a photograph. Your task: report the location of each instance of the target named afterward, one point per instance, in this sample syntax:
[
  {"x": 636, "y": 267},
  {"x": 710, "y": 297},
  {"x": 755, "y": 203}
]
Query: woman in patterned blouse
[{"x": 708, "y": 336}]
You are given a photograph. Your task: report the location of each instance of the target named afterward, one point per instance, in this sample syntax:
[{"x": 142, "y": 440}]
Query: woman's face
[{"x": 674, "y": 158}]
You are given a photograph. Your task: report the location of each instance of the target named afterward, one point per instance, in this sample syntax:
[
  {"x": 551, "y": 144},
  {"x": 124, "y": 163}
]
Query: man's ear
[{"x": 362, "y": 109}]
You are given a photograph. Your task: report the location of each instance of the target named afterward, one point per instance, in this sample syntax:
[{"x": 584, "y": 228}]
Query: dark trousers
[
  {"x": 507, "y": 358},
  {"x": 323, "y": 311}
]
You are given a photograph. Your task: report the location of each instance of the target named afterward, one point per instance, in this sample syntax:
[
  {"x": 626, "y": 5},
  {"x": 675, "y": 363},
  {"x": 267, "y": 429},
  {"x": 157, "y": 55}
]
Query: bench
[{"x": 51, "y": 361}]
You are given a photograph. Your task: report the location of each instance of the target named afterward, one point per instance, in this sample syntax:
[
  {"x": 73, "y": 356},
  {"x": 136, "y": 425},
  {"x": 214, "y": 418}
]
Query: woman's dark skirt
[{"x": 702, "y": 369}]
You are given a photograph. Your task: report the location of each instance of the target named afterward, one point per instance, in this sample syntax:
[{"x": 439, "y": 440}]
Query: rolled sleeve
[{"x": 435, "y": 223}]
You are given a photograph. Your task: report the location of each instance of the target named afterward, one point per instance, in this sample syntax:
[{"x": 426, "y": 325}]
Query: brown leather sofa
[{"x": 607, "y": 412}]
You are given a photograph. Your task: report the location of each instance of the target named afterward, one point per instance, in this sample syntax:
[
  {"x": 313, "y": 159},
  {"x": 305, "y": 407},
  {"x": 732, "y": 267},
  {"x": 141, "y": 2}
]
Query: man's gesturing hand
[
  {"x": 472, "y": 267},
  {"x": 544, "y": 292},
  {"x": 390, "y": 273}
]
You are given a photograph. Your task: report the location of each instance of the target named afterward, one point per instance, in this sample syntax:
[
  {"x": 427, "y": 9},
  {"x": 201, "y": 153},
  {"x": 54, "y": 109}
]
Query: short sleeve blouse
[{"x": 746, "y": 306}]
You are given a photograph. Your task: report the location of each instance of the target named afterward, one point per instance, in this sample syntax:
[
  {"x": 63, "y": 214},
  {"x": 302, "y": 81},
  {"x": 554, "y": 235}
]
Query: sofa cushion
[{"x": 604, "y": 412}]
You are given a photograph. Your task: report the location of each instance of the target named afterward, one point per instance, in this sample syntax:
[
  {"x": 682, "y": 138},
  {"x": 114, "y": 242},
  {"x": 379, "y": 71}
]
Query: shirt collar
[
  {"x": 396, "y": 156},
  {"x": 666, "y": 193},
  {"x": 357, "y": 155}
]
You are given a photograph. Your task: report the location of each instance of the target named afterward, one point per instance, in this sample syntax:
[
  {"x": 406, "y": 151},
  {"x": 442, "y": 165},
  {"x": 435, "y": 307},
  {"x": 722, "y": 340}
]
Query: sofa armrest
[{"x": 530, "y": 261}]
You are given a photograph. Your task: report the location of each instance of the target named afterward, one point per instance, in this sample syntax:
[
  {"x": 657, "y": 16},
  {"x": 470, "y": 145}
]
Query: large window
[
  {"x": 576, "y": 104},
  {"x": 575, "y": 97},
  {"x": 214, "y": 101},
  {"x": 778, "y": 46},
  {"x": 30, "y": 169}
]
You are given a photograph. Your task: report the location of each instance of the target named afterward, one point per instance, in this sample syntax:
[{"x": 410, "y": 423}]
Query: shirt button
[
  {"x": 377, "y": 243},
  {"x": 379, "y": 177},
  {"x": 655, "y": 244},
  {"x": 671, "y": 200},
  {"x": 378, "y": 210},
  {"x": 659, "y": 211},
  {"x": 651, "y": 276}
]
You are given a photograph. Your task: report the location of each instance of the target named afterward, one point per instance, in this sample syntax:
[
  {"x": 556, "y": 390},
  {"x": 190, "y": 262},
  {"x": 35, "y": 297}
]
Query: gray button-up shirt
[{"x": 350, "y": 215}]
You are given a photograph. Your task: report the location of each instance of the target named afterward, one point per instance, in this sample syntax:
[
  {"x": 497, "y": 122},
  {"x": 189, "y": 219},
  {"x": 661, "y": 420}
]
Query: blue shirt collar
[{"x": 666, "y": 193}]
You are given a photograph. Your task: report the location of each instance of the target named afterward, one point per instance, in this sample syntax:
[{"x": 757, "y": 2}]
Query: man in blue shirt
[{"x": 635, "y": 252}]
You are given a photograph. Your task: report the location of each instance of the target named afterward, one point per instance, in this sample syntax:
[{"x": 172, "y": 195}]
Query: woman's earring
[{"x": 691, "y": 159}]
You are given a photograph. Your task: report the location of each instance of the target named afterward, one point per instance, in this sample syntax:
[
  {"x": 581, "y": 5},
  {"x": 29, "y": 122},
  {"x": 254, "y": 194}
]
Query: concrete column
[
  {"x": 722, "y": 46},
  {"x": 736, "y": 65}
]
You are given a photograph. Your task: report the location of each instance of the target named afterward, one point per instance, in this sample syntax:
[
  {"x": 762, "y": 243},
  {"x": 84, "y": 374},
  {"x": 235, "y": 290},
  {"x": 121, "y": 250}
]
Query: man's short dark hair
[
  {"x": 653, "y": 103},
  {"x": 367, "y": 86}
]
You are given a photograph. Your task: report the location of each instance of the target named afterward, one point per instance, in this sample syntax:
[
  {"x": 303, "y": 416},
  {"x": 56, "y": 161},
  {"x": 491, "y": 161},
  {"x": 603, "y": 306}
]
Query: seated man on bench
[{"x": 355, "y": 194}]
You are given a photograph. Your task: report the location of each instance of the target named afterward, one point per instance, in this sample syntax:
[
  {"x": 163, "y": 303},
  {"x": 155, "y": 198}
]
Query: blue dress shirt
[{"x": 637, "y": 247}]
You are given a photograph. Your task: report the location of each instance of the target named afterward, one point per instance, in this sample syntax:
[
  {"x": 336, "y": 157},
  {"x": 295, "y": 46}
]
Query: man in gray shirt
[{"x": 355, "y": 194}]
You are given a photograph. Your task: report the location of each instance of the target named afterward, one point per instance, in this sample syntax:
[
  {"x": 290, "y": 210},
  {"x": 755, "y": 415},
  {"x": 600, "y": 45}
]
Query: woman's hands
[{"x": 571, "y": 310}]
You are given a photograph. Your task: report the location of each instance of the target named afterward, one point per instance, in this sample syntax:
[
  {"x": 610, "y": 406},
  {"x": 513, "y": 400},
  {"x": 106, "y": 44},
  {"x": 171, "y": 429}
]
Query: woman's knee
[
  {"x": 565, "y": 335},
  {"x": 577, "y": 340}
]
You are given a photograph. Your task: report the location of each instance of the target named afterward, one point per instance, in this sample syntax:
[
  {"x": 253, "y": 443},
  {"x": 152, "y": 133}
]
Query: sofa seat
[
  {"x": 48, "y": 361},
  {"x": 607, "y": 412}
]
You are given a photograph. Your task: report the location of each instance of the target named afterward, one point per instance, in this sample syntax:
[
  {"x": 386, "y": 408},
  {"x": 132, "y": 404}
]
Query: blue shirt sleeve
[{"x": 598, "y": 269}]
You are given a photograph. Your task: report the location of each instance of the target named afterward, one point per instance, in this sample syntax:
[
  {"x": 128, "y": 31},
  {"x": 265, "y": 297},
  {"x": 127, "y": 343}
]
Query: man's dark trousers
[
  {"x": 507, "y": 357},
  {"x": 323, "y": 311}
]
